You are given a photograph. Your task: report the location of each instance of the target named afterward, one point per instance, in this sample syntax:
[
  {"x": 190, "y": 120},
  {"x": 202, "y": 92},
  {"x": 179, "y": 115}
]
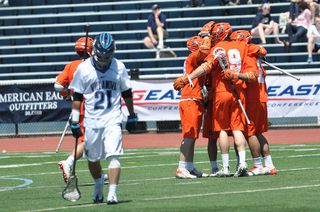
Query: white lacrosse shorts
[{"x": 102, "y": 143}]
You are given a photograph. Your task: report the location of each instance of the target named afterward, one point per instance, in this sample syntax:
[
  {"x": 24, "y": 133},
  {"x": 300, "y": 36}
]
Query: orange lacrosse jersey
[
  {"x": 256, "y": 91},
  {"x": 191, "y": 106},
  {"x": 236, "y": 52},
  {"x": 67, "y": 74},
  {"x": 226, "y": 111},
  {"x": 65, "y": 78},
  {"x": 190, "y": 64}
]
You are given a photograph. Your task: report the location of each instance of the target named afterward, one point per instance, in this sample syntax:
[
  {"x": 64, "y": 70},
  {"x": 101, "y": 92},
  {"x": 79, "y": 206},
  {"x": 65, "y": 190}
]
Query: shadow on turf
[
  {"x": 91, "y": 184},
  {"x": 104, "y": 203}
]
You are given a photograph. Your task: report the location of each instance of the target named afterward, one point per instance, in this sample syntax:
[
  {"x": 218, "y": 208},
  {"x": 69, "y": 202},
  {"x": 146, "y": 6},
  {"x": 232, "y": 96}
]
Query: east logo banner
[
  {"x": 154, "y": 101},
  {"x": 288, "y": 97}
]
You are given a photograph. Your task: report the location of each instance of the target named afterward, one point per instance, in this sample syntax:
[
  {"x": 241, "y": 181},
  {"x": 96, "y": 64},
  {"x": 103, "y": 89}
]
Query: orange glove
[
  {"x": 206, "y": 29},
  {"x": 210, "y": 92},
  {"x": 180, "y": 82},
  {"x": 231, "y": 74},
  {"x": 252, "y": 76}
]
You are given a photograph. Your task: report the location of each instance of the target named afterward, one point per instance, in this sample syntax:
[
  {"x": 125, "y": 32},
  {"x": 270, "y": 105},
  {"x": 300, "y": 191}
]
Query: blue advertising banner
[{"x": 32, "y": 103}]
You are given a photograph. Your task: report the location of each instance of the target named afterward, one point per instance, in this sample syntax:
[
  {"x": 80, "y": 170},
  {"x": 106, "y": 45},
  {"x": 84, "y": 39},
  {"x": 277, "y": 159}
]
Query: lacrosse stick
[
  {"x": 63, "y": 134},
  {"x": 222, "y": 58},
  {"x": 71, "y": 192},
  {"x": 279, "y": 69},
  {"x": 204, "y": 93},
  {"x": 87, "y": 35}
]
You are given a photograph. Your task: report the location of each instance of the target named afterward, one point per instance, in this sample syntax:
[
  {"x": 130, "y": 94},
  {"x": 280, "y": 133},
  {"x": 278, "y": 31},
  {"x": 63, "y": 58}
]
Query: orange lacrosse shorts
[
  {"x": 191, "y": 113},
  {"x": 258, "y": 115}
]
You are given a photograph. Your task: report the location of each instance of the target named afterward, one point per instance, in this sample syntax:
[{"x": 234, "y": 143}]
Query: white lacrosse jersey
[{"x": 101, "y": 91}]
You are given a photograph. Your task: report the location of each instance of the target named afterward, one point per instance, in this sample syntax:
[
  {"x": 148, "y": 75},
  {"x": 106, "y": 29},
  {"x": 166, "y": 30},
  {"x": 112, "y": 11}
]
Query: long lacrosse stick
[
  {"x": 279, "y": 69},
  {"x": 222, "y": 58},
  {"x": 72, "y": 192},
  {"x": 63, "y": 134},
  {"x": 86, "y": 43}
]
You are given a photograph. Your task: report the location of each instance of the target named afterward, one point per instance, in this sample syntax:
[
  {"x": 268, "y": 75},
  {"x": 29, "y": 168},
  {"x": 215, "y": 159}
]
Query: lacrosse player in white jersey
[{"x": 101, "y": 80}]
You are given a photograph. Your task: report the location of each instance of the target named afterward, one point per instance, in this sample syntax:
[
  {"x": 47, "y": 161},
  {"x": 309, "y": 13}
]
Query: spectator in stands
[
  {"x": 227, "y": 3},
  {"x": 4, "y": 3},
  {"x": 313, "y": 36},
  {"x": 264, "y": 25},
  {"x": 230, "y": 3},
  {"x": 300, "y": 29},
  {"x": 314, "y": 8},
  {"x": 193, "y": 3},
  {"x": 294, "y": 11},
  {"x": 238, "y": 2},
  {"x": 157, "y": 32}
]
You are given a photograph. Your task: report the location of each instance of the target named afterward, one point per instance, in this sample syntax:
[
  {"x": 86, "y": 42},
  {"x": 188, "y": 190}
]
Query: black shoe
[{"x": 97, "y": 200}]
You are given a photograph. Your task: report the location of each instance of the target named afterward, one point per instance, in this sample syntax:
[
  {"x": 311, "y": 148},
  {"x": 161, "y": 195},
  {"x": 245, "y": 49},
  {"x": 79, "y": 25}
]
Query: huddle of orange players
[{"x": 223, "y": 78}]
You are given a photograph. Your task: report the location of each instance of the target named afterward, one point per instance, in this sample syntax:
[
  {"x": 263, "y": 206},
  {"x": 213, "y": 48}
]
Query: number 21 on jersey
[{"x": 103, "y": 99}]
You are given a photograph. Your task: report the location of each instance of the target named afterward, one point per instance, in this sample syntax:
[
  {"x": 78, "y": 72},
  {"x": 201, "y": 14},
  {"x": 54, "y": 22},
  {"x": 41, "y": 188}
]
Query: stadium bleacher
[{"x": 38, "y": 37}]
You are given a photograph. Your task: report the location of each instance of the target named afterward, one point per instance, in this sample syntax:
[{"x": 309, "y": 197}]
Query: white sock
[
  {"x": 225, "y": 159},
  {"x": 190, "y": 166},
  {"x": 257, "y": 162},
  {"x": 182, "y": 164},
  {"x": 268, "y": 161},
  {"x": 242, "y": 156},
  {"x": 70, "y": 160},
  {"x": 112, "y": 191},
  {"x": 213, "y": 164},
  {"x": 160, "y": 42}
]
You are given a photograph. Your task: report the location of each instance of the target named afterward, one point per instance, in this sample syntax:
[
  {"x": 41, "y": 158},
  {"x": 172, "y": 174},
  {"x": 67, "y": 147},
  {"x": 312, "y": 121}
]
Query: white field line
[
  {"x": 231, "y": 192},
  {"x": 151, "y": 152},
  {"x": 273, "y": 147},
  {"x": 129, "y": 167},
  {"x": 185, "y": 196}
]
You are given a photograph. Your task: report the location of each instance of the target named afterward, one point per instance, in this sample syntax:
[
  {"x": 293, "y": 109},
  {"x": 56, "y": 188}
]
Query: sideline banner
[
  {"x": 32, "y": 103},
  {"x": 154, "y": 101},
  {"x": 288, "y": 97}
]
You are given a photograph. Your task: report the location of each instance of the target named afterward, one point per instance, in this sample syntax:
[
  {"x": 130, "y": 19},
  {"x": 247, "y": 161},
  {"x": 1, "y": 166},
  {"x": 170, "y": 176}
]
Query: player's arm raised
[
  {"x": 204, "y": 68},
  {"x": 256, "y": 50}
]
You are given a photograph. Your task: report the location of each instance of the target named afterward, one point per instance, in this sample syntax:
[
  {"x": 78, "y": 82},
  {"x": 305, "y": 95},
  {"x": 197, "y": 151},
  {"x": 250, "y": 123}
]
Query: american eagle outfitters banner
[{"x": 32, "y": 103}]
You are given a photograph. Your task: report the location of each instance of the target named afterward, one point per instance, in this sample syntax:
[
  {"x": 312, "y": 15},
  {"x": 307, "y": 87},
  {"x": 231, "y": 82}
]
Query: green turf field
[{"x": 33, "y": 182}]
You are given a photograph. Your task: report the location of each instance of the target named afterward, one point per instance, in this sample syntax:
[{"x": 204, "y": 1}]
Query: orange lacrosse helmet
[
  {"x": 241, "y": 35},
  {"x": 80, "y": 45},
  {"x": 194, "y": 43},
  {"x": 220, "y": 32}
]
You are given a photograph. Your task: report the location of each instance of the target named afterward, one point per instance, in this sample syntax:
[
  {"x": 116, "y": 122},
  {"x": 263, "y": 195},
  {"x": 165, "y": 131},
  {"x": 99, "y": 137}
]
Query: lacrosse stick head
[
  {"x": 220, "y": 55},
  {"x": 241, "y": 35},
  {"x": 204, "y": 93},
  {"x": 71, "y": 192}
]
